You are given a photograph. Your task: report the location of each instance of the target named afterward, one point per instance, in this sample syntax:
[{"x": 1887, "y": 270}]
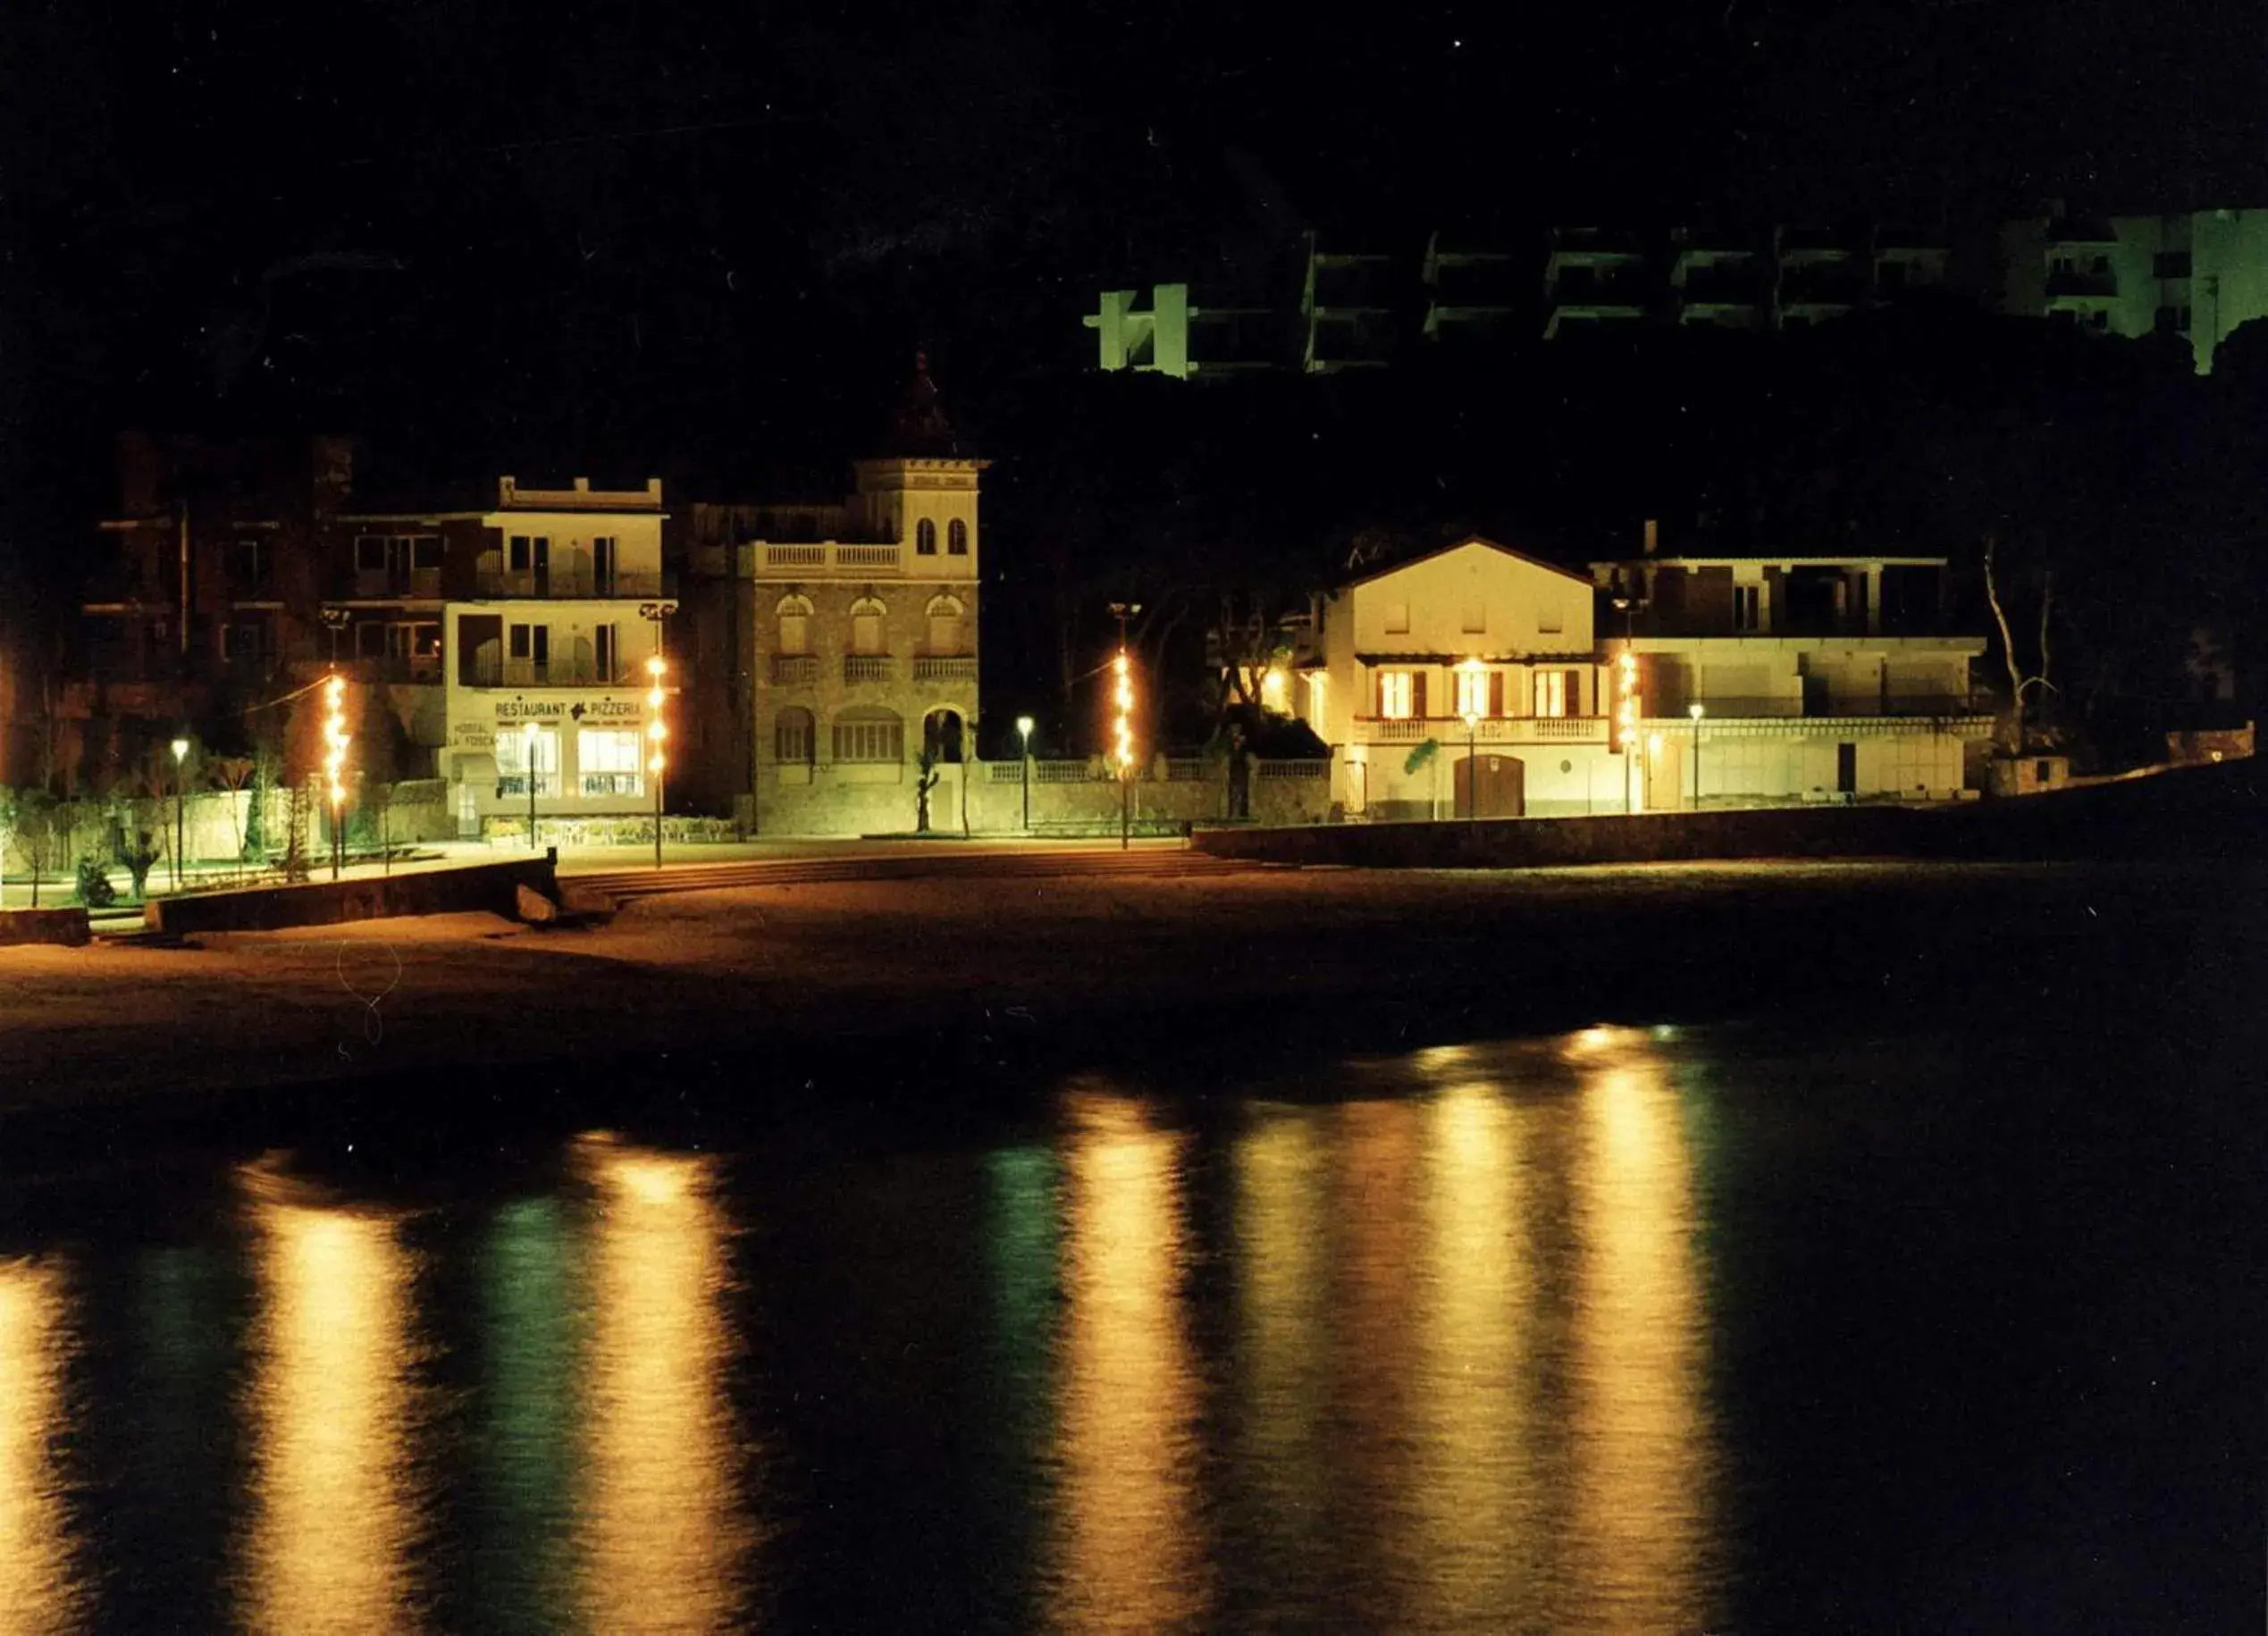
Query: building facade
[
  {"x": 1817, "y": 678},
  {"x": 544, "y": 653},
  {"x": 1466, "y": 676},
  {"x": 2196, "y": 274}
]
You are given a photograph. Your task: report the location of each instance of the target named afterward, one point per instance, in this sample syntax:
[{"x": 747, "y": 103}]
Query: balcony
[
  {"x": 410, "y": 584},
  {"x": 944, "y": 667},
  {"x": 794, "y": 669},
  {"x": 553, "y": 672},
  {"x": 1451, "y": 732},
  {"x": 859, "y": 668},
  {"x": 577, "y": 581},
  {"x": 832, "y": 557}
]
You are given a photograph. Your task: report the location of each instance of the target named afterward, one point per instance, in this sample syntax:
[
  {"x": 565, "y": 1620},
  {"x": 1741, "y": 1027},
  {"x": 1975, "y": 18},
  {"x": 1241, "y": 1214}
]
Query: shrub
[{"x": 95, "y": 890}]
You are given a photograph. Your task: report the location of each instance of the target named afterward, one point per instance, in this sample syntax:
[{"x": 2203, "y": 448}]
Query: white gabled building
[
  {"x": 568, "y": 596},
  {"x": 1403, "y": 658}
]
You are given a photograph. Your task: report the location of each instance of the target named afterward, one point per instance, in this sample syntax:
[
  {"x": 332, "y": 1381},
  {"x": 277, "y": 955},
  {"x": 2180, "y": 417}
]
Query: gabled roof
[{"x": 1458, "y": 545}]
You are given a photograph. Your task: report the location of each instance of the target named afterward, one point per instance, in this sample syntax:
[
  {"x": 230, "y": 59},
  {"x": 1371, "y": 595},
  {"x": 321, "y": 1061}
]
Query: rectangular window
[
  {"x": 251, "y": 561},
  {"x": 512, "y": 742},
  {"x": 2170, "y": 264},
  {"x": 517, "y": 559},
  {"x": 425, "y": 640},
  {"x": 1551, "y": 692},
  {"x": 1549, "y": 619},
  {"x": 424, "y": 551},
  {"x": 792, "y": 737},
  {"x": 866, "y": 634},
  {"x": 370, "y": 554},
  {"x": 369, "y": 640},
  {"x": 1472, "y": 692},
  {"x": 399, "y": 641},
  {"x": 1475, "y": 619},
  {"x": 609, "y": 761},
  {"x": 1394, "y": 694},
  {"x": 870, "y": 741},
  {"x": 606, "y": 646},
  {"x": 2173, "y": 320},
  {"x": 542, "y": 649},
  {"x": 520, "y": 641},
  {"x": 1397, "y": 618},
  {"x": 1747, "y": 600},
  {"x": 603, "y": 556}
]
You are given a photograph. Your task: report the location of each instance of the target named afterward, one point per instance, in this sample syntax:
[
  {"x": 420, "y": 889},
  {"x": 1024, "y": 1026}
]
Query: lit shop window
[
  {"x": 610, "y": 759},
  {"x": 512, "y": 745}
]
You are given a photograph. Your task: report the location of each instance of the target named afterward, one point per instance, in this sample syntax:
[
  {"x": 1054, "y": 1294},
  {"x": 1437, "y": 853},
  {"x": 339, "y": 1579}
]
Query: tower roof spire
[{"x": 918, "y": 426}]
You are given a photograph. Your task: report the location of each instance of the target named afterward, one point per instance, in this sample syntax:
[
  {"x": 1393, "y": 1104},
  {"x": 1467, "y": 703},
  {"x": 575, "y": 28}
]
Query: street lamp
[
  {"x": 1469, "y": 704},
  {"x": 1627, "y": 712},
  {"x": 1023, "y": 726},
  {"x": 181, "y": 754},
  {"x": 334, "y": 762},
  {"x": 1122, "y": 696},
  {"x": 1696, "y": 712},
  {"x": 527, "y": 765},
  {"x": 657, "y": 730}
]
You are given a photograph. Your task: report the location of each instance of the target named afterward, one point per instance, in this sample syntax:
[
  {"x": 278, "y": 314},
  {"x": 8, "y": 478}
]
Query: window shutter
[
  {"x": 1574, "y": 692},
  {"x": 1417, "y": 694},
  {"x": 1496, "y": 692}
]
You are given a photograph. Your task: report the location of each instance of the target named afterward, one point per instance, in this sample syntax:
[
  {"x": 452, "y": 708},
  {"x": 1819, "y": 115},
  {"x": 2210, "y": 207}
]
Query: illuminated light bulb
[{"x": 653, "y": 764}]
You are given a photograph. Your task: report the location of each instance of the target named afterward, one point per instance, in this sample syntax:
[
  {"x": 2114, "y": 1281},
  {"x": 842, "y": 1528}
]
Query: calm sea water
[{"x": 1631, "y": 1329}]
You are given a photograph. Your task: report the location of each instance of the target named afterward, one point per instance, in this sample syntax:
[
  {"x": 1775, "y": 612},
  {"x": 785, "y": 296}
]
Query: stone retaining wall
[
  {"x": 493, "y": 887},
  {"x": 2212, "y": 812}
]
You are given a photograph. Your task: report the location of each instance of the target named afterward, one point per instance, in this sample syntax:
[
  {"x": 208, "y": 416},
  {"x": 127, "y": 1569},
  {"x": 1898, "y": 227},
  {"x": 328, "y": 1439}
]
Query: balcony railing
[
  {"x": 868, "y": 667},
  {"x": 944, "y": 667},
  {"x": 553, "y": 672},
  {"x": 794, "y": 669},
  {"x": 834, "y": 556},
  {"x": 571, "y": 581},
  {"x": 1489, "y": 730}
]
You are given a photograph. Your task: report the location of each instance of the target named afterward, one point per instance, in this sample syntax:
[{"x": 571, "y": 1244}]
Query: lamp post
[
  {"x": 527, "y": 764},
  {"x": 657, "y": 730},
  {"x": 181, "y": 754},
  {"x": 334, "y": 763},
  {"x": 1696, "y": 712},
  {"x": 1023, "y": 726}
]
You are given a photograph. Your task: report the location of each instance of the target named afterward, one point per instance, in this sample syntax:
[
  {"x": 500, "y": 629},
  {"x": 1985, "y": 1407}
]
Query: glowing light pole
[
  {"x": 334, "y": 763},
  {"x": 1122, "y": 696},
  {"x": 181, "y": 754},
  {"x": 1627, "y": 723},
  {"x": 528, "y": 763},
  {"x": 1023, "y": 726},
  {"x": 657, "y": 731},
  {"x": 1696, "y": 712}
]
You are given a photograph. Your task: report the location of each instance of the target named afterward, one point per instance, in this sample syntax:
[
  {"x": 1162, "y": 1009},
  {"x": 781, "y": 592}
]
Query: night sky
[{"x": 704, "y": 240}]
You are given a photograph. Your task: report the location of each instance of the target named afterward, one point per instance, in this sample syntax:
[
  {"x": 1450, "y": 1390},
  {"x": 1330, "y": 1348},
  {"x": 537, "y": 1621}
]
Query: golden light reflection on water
[
  {"x": 665, "y": 1540},
  {"x": 1283, "y": 1297},
  {"x": 333, "y": 1517},
  {"x": 37, "y": 1592},
  {"x": 1643, "y": 1496},
  {"x": 1131, "y": 1559},
  {"x": 1475, "y": 1499}
]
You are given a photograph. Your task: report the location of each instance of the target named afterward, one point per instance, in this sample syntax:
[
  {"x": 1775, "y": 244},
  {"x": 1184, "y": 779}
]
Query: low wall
[
  {"x": 1064, "y": 795},
  {"x": 2206, "y": 812},
  {"x": 63, "y": 926},
  {"x": 493, "y": 887}
]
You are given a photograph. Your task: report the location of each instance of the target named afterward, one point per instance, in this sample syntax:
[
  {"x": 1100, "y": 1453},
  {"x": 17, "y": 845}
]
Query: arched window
[
  {"x": 957, "y": 538},
  {"x": 794, "y": 624},
  {"x": 866, "y": 732},
  {"x": 866, "y": 626},
  {"x": 924, "y": 538},
  {"x": 794, "y": 737},
  {"x": 948, "y": 630}
]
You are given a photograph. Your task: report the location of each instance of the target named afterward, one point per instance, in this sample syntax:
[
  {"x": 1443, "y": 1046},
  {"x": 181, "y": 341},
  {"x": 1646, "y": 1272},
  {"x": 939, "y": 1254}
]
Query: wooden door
[{"x": 1501, "y": 786}]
